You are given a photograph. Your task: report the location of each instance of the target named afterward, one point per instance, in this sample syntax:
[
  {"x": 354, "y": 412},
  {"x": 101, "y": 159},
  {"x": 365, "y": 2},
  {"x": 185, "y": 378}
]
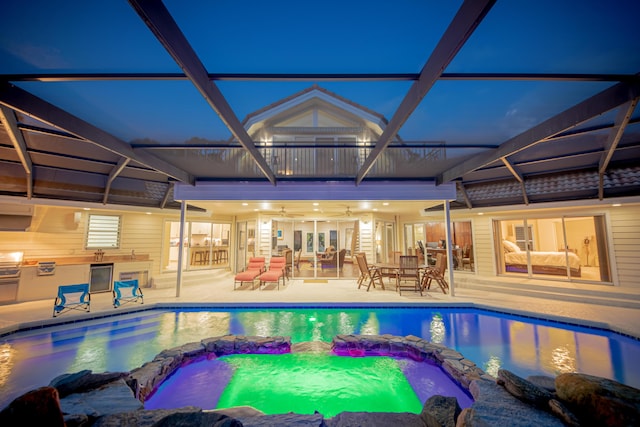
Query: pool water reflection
[{"x": 526, "y": 346}]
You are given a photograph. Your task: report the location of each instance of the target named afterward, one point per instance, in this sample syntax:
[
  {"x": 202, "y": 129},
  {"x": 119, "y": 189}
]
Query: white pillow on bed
[{"x": 510, "y": 246}]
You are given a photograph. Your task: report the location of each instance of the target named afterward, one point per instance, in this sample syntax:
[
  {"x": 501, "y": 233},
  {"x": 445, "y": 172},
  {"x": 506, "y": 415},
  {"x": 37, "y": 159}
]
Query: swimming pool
[{"x": 493, "y": 340}]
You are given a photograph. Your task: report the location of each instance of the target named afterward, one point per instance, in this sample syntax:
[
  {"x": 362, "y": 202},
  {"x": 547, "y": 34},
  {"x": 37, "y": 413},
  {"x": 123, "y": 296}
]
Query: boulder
[
  {"x": 82, "y": 381},
  {"x": 196, "y": 419},
  {"x": 495, "y": 406},
  {"x": 190, "y": 351},
  {"x": 239, "y": 412},
  {"x": 558, "y": 409},
  {"x": 543, "y": 381},
  {"x": 374, "y": 419},
  {"x": 599, "y": 401},
  {"x": 112, "y": 398},
  {"x": 187, "y": 416},
  {"x": 444, "y": 409},
  {"x": 523, "y": 389},
  {"x": 76, "y": 420},
  {"x": 311, "y": 347},
  {"x": 40, "y": 407},
  {"x": 145, "y": 379},
  {"x": 288, "y": 420}
]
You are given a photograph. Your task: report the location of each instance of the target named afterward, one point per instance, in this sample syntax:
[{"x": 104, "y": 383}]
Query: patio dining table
[{"x": 390, "y": 269}]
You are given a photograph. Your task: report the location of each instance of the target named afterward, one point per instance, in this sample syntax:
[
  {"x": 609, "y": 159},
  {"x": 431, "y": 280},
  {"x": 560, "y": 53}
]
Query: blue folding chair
[
  {"x": 72, "y": 297},
  {"x": 126, "y": 291}
]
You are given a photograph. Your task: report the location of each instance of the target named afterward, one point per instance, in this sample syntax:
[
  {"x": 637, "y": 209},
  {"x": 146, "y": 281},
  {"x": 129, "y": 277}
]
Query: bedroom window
[{"x": 568, "y": 247}]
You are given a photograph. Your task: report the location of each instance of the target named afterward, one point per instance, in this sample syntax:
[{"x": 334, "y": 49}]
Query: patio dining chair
[
  {"x": 436, "y": 273},
  {"x": 368, "y": 273},
  {"x": 408, "y": 271}
]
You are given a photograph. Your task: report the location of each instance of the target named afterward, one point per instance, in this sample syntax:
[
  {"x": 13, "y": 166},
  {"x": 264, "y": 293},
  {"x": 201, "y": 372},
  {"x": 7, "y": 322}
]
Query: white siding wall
[
  {"x": 625, "y": 234},
  {"x": 485, "y": 258},
  {"x": 54, "y": 234},
  {"x": 367, "y": 239},
  {"x": 623, "y": 227},
  {"x": 264, "y": 238}
]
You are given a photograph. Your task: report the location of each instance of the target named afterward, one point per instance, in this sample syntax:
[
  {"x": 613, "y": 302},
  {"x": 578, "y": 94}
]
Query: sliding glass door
[{"x": 568, "y": 247}]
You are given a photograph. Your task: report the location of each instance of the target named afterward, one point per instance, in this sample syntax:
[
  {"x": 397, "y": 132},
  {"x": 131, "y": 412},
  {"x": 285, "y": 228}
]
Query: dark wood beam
[
  {"x": 21, "y": 100},
  {"x": 315, "y": 77},
  {"x": 518, "y": 176},
  {"x": 457, "y": 33},
  {"x": 596, "y": 105},
  {"x": 620, "y": 124},
  {"x": 165, "y": 199},
  {"x": 463, "y": 190},
  {"x": 122, "y": 163},
  {"x": 156, "y": 16},
  {"x": 8, "y": 118}
]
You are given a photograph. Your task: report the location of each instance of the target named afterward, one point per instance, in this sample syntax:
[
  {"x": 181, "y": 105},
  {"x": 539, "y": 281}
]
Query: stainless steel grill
[
  {"x": 10, "y": 263},
  {"x": 10, "y": 268}
]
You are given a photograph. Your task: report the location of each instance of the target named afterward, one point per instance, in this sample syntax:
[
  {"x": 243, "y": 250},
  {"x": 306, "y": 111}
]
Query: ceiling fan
[
  {"x": 348, "y": 213},
  {"x": 283, "y": 212}
]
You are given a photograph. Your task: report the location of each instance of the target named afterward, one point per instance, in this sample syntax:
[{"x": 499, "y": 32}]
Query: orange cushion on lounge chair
[
  {"x": 271, "y": 276},
  {"x": 276, "y": 271},
  {"x": 247, "y": 276}
]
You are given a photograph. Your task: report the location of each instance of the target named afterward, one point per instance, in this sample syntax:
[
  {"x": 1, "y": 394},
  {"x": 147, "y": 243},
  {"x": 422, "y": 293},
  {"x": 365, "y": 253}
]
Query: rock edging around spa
[{"x": 116, "y": 399}]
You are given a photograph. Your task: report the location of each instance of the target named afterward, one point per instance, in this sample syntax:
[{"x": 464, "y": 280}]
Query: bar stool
[{"x": 196, "y": 256}]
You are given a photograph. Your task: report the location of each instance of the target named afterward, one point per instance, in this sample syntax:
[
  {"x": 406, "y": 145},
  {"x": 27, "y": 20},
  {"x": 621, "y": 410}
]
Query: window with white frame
[{"x": 103, "y": 232}]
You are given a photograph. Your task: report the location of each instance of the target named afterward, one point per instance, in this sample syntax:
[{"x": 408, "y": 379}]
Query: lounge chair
[
  {"x": 368, "y": 274},
  {"x": 436, "y": 273},
  {"x": 72, "y": 297},
  {"x": 126, "y": 291},
  {"x": 255, "y": 267},
  {"x": 408, "y": 271},
  {"x": 275, "y": 273}
]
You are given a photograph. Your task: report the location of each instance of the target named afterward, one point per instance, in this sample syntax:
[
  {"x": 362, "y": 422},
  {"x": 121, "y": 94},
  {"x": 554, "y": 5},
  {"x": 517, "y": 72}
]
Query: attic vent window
[{"x": 103, "y": 232}]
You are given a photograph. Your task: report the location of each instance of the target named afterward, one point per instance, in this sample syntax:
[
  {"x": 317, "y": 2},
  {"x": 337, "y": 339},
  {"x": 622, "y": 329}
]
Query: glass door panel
[
  {"x": 171, "y": 250},
  {"x": 511, "y": 246},
  {"x": 346, "y": 241},
  {"x": 242, "y": 254},
  {"x": 570, "y": 248},
  {"x": 385, "y": 242},
  {"x": 545, "y": 242},
  {"x": 586, "y": 240},
  {"x": 200, "y": 245}
]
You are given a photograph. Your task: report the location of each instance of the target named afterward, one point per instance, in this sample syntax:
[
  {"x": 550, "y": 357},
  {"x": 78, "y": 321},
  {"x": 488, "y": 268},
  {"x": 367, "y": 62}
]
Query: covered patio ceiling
[{"x": 526, "y": 103}]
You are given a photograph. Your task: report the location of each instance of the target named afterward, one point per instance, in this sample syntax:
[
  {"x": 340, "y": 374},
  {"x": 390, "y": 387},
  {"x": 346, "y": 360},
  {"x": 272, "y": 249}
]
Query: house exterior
[{"x": 317, "y": 132}]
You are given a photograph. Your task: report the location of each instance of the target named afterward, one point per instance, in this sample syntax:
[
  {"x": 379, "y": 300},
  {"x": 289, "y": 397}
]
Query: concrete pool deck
[{"x": 220, "y": 290}]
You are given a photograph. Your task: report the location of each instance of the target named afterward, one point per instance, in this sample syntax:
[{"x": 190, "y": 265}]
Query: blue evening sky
[{"x": 517, "y": 36}]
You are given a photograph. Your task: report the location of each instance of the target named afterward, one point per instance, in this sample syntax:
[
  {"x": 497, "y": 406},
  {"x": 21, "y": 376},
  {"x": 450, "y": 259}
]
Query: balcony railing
[{"x": 296, "y": 161}]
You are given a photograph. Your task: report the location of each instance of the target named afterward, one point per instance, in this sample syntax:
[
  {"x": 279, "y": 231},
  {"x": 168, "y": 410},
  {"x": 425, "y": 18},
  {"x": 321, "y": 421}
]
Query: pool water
[
  {"x": 525, "y": 346},
  {"x": 306, "y": 382}
]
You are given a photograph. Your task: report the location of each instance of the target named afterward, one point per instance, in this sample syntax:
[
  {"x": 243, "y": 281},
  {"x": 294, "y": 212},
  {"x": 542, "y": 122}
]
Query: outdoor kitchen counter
[
  {"x": 37, "y": 285},
  {"x": 75, "y": 260}
]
